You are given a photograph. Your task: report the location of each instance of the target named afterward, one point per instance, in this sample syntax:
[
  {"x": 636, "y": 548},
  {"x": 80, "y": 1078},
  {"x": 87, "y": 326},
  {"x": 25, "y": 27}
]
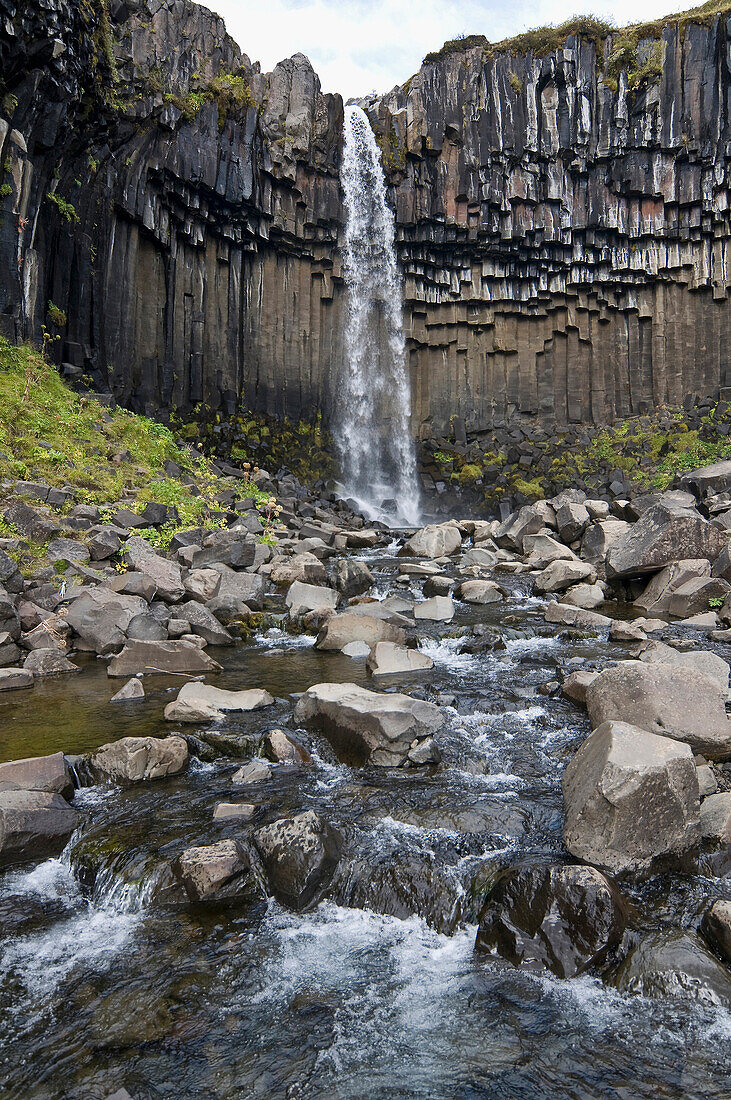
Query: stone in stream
[
  {"x": 280, "y": 748},
  {"x": 48, "y": 662},
  {"x": 674, "y": 965},
  {"x": 621, "y": 631},
  {"x": 133, "y": 689},
  {"x": 694, "y": 597},
  {"x": 661, "y": 536},
  {"x": 672, "y": 701},
  {"x": 138, "y": 759},
  {"x": 657, "y": 595},
  {"x": 368, "y": 726},
  {"x": 543, "y": 549},
  {"x": 302, "y": 567},
  {"x": 351, "y": 578},
  {"x": 716, "y": 818},
  {"x": 438, "y": 609},
  {"x": 437, "y": 586},
  {"x": 632, "y": 802},
  {"x": 166, "y": 574},
  {"x": 204, "y": 623},
  {"x": 702, "y": 660},
  {"x": 227, "y": 812},
  {"x": 172, "y": 656},
  {"x": 38, "y": 773},
  {"x": 197, "y": 702},
  {"x": 300, "y": 855},
  {"x": 586, "y": 596},
  {"x": 146, "y": 628},
  {"x": 716, "y": 927},
  {"x": 480, "y": 592},
  {"x": 33, "y": 825},
  {"x": 354, "y": 626},
  {"x": 11, "y": 679},
  {"x": 575, "y": 616},
  {"x": 436, "y": 540},
  {"x": 302, "y": 598},
  {"x": 563, "y": 574},
  {"x": 216, "y": 872},
  {"x": 566, "y": 919},
  {"x": 389, "y": 659},
  {"x": 359, "y": 649},
  {"x": 512, "y": 532},
  {"x": 256, "y": 771},
  {"x": 576, "y": 685}
]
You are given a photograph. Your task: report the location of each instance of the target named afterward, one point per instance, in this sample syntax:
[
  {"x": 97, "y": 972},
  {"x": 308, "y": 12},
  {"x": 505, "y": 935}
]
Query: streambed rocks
[
  {"x": 138, "y": 759},
  {"x": 674, "y": 964},
  {"x": 382, "y": 729},
  {"x": 299, "y": 854},
  {"x": 362, "y": 624},
  {"x": 171, "y": 656},
  {"x": 218, "y": 872},
  {"x": 198, "y": 702},
  {"x": 33, "y": 824}
]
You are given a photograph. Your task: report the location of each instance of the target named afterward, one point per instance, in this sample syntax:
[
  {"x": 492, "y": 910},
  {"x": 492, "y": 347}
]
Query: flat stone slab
[
  {"x": 203, "y": 702},
  {"x": 150, "y": 657}
]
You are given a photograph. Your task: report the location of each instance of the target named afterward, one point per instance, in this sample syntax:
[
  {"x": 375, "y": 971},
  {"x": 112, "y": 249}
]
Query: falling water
[{"x": 373, "y": 412}]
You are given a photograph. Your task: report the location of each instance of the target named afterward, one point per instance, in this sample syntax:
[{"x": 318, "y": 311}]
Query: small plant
[
  {"x": 66, "y": 209},
  {"x": 56, "y": 316},
  {"x": 515, "y": 82},
  {"x": 716, "y": 601}
]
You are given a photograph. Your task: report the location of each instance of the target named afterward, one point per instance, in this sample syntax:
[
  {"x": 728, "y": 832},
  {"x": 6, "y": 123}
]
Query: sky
[{"x": 362, "y": 46}]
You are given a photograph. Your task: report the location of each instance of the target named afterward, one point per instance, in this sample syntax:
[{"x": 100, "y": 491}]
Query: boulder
[
  {"x": 702, "y": 660},
  {"x": 256, "y": 771},
  {"x": 166, "y": 575},
  {"x": 198, "y": 702},
  {"x": 234, "y": 548},
  {"x": 29, "y": 523},
  {"x": 437, "y": 586},
  {"x": 510, "y": 534},
  {"x": 715, "y": 817},
  {"x": 33, "y": 825},
  {"x": 133, "y": 689},
  {"x": 438, "y": 609},
  {"x": 707, "y": 782},
  {"x": 716, "y": 927},
  {"x": 707, "y": 482},
  {"x": 38, "y": 773},
  {"x": 571, "y": 520},
  {"x": 228, "y": 812},
  {"x": 367, "y": 726},
  {"x": 587, "y": 596},
  {"x": 243, "y": 590},
  {"x": 481, "y": 557},
  {"x": 280, "y": 748},
  {"x": 662, "y": 536},
  {"x": 479, "y": 592},
  {"x": 437, "y": 540},
  {"x": 103, "y": 543},
  {"x": 563, "y": 574},
  {"x": 146, "y": 628},
  {"x": 632, "y": 803},
  {"x": 566, "y": 615},
  {"x": 216, "y": 873},
  {"x": 621, "y": 631},
  {"x": 202, "y": 584},
  {"x": 357, "y": 649},
  {"x": 543, "y": 549},
  {"x": 11, "y": 679},
  {"x": 576, "y": 685},
  {"x": 566, "y": 919},
  {"x": 302, "y": 598},
  {"x": 138, "y": 759},
  {"x": 671, "y": 700},
  {"x": 48, "y": 662},
  {"x": 100, "y": 617},
  {"x": 300, "y": 855},
  {"x": 694, "y": 597},
  {"x": 204, "y": 623},
  {"x": 176, "y": 656},
  {"x": 351, "y": 578},
  {"x": 657, "y": 596},
  {"x": 674, "y": 965},
  {"x": 302, "y": 567},
  {"x": 389, "y": 659},
  {"x": 599, "y": 540},
  {"x": 67, "y": 550},
  {"x": 353, "y": 626}
]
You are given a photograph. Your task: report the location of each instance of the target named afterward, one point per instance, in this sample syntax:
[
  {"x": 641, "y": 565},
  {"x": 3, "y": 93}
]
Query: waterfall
[{"x": 372, "y": 409}]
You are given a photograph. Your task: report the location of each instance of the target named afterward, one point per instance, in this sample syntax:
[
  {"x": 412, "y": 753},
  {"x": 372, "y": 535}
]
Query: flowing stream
[
  {"x": 376, "y": 992},
  {"x": 372, "y": 419}
]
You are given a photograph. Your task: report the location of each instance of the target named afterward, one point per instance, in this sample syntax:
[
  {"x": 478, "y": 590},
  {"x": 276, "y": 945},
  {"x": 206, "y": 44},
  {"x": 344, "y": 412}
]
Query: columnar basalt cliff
[{"x": 562, "y": 215}]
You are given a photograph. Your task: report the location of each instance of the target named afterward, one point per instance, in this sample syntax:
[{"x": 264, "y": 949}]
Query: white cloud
[{"x": 357, "y": 46}]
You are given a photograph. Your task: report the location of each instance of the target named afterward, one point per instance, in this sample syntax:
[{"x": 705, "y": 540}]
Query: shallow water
[{"x": 103, "y": 984}]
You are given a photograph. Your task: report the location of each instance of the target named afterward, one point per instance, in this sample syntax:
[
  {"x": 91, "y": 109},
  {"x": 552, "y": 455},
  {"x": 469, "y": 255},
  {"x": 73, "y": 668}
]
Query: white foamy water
[
  {"x": 444, "y": 652},
  {"x": 274, "y": 638}
]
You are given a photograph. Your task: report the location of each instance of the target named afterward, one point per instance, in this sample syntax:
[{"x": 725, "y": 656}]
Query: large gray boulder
[
  {"x": 479, "y": 592},
  {"x": 389, "y": 659},
  {"x": 198, "y": 702},
  {"x": 302, "y": 567},
  {"x": 659, "y": 592},
  {"x": 543, "y": 549},
  {"x": 216, "y": 873},
  {"x": 572, "y": 519},
  {"x": 350, "y": 577},
  {"x": 566, "y": 919},
  {"x": 512, "y": 532},
  {"x": 302, "y": 598},
  {"x": 632, "y": 802},
  {"x": 437, "y": 540},
  {"x": 438, "y": 609},
  {"x": 709, "y": 482},
  {"x": 716, "y": 818},
  {"x": 599, "y": 540},
  {"x": 674, "y": 965},
  {"x": 300, "y": 855},
  {"x": 203, "y": 623},
  {"x": 354, "y": 626},
  {"x": 38, "y": 773},
  {"x": 701, "y": 660},
  {"x": 138, "y": 759},
  {"x": 368, "y": 726},
  {"x": 166, "y": 575},
  {"x": 661, "y": 536},
  {"x": 162, "y": 657},
  {"x": 695, "y": 596},
  {"x": 101, "y": 617},
  {"x": 244, "y": 589},
  {"x": 671, "y": 700},
  {"x": 560, "y": 575},
  {"x": 33, "y": 824}
]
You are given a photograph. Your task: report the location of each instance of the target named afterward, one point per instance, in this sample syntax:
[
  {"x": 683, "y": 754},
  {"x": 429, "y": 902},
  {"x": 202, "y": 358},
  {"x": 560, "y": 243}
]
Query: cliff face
[{"x": 564, "y": 236}]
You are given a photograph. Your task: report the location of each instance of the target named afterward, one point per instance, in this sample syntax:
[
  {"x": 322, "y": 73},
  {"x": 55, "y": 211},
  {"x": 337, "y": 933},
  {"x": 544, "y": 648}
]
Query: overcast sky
[{"x": 360, "y": 46}]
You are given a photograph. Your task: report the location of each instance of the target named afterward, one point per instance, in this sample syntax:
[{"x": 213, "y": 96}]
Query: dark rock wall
[{"x": 565, "y": 244}]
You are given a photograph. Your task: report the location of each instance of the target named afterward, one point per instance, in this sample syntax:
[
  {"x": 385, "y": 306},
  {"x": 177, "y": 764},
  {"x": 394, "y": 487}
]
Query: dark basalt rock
[
  {"x": 674, "y": 964},
  {"x": 567, "y": 919}
]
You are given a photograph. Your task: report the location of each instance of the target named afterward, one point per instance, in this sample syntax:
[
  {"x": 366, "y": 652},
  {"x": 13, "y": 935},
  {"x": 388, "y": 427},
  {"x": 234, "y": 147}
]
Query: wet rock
[
  {"x": 576, "y": 685},
  {"x": 48, "y": 662},
  {"x": 127, "y": 1018},
  {"x": 576, "y": 616},
  {"x": 198, "y": 702},
  {"x": 300, "y": 855},
  {"x": 351, "y": 578},
  {"x": 204, "y": 623},
  {"x": 632, "y": 801},
  {"x": 438, "y": 609},
  {"x": 389, "y": 659},
  {"x": 662, "y": 536},
  {"x": 437, "y": 586},
  {"x": 716, "y": 928},
  {"x": 436, "y": 540},
  {"x": 133, "y": 689},
  {"x": 33, "y": 825},
  {"x": 715, "y": 818},
  {"x": 367, "y": 726},
  {"x": 354, "y": 626},
  {"x": 358, "y": 649},
  {"x": 669, "y": 700},
  {"x": 480, "y": 592},
  {"x": 216, "y": 872},
  {"x": 256, "y": 771},
  {"x": 38, "y": 773},
  {"x": 563, "y": 574},
  {"x": 165, "y": 574},
  {"x": 280, "y": 748},
  {"x": 674, "y": 965},
  {"x": 479, "y": 556},
  {"x": 586, "y": 596},
  {"x": 229, "y": 812},
  {"x": 302, "y": 598},
  {"x": 177, "y": 656},
  {"x": 302, "y": 567},
  {"x": 11, "y": 679},
  {"x": 139, "y": 759},
  {"x": 567, "y": 919},
  {"x": 424, "y": 752}
]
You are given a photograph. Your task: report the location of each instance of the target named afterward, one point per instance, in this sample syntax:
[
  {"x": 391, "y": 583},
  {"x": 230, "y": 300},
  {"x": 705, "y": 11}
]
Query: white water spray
[{"x": 372, "y": 422}]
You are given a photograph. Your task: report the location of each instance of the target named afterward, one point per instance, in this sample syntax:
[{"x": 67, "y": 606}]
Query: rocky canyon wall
[{"x": 562, "y": 215}]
